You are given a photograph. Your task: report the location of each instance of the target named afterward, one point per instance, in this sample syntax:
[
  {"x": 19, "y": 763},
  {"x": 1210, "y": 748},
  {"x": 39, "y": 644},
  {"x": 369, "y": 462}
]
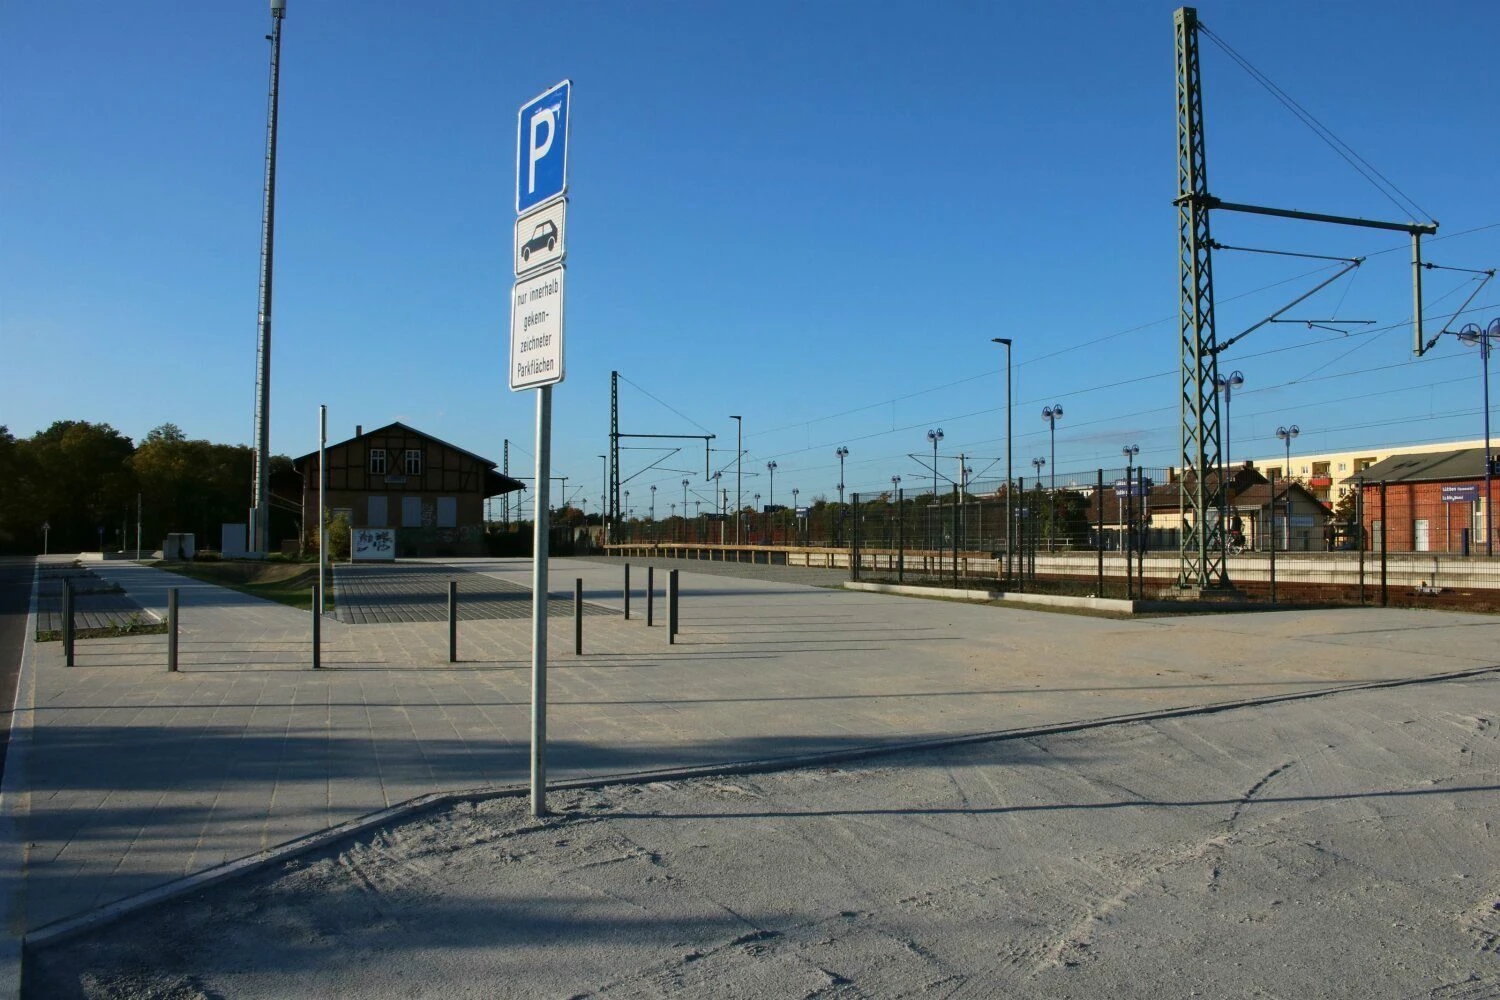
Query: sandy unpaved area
[{"x": 1339, "y": 847}]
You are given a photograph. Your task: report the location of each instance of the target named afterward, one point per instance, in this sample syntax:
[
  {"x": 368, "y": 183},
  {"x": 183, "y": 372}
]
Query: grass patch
[
  {"x": 285, "y": 583},
  {"x": 104, "y": 632}
]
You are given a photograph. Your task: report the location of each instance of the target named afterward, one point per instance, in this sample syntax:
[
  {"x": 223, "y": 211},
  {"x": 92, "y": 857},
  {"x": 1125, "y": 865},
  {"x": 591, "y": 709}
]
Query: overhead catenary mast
[{"x": 260, "y": 506}]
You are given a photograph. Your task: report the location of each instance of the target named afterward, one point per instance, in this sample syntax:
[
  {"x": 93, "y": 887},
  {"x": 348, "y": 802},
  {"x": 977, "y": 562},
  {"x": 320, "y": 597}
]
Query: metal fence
[{"x": 1116, "y": 533}]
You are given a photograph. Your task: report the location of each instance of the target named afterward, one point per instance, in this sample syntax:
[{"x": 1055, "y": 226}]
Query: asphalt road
[{"x": 15, "y": 600}]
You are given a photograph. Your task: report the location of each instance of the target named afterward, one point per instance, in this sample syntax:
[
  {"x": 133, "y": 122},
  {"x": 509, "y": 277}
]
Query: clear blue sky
[{"x": 812, "y": 214}]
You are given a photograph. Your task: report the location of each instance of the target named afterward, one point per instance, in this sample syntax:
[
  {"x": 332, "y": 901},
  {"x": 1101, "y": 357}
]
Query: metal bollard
[
  {"x": 452, "y": 621},
  {"x": 172, "y": 630},
  {"x": 317, "y": 626},
  {"x": 67, "y": 622},
  {"x": 650, "y": 595},
  {"x": 627, "y": 591},
  {"x": 672, "y": 593},
  {"x": 578, "y": 616}
]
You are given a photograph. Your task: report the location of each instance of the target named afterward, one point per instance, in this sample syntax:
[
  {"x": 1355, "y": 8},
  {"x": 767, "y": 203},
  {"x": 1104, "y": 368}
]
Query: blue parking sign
[{"x": 542, "y": 147}]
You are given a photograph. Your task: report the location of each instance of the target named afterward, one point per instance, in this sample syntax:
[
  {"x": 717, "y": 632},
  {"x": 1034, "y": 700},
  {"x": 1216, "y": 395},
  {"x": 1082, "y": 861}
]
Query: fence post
[
  {"x": 854, "y": 539},
  {"x": 1385, "y": 533},
  {"x": 67, "y": 622},
  {"x": 1271, "y": 517},
  {"x": 317, "y": 625},
  {"x": 452, "y": 621},
  {"x": 172, "y": 630},
  {"x": 627, "y": 591},
  {"x": 650, "y": 596},
  {"x": 954, "y": 528},
  {"x": 1359, "y": 517},
  {"x": 901, "y": 535},
  {"x": 1099, "y": 533},
  {"x": 1127, "y": 537},
  {"x": 672, "y": 593},
  {"x": 1140, "y": 562},
  {"x": 578, "y": 616}
]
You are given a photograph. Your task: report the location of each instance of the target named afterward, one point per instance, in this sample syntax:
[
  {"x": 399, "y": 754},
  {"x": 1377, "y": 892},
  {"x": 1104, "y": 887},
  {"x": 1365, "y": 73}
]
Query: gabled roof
[
  {"x": 399, "y": 426},
  {"x": 1259, "y": 494},
  {"x": 495, "y": 483},
  {"x": 1426, "y": 467}
]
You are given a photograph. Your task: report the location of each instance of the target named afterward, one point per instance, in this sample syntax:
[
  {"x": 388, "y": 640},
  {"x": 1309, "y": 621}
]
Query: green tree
[{"x": 78, "y": 477}]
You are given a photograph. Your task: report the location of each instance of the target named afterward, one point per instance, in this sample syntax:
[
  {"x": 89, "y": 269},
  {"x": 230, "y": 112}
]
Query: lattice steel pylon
[{"x": 1203, "y": 558}]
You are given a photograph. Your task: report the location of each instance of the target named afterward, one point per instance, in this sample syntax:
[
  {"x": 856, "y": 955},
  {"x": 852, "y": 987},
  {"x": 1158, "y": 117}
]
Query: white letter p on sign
[{"x": 539, "y": 149}]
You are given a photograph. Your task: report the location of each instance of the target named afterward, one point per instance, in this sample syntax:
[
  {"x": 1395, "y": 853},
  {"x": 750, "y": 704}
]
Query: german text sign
[
  {"x": 1462, "y": 493},
  {"x": 536, "y": 330}
]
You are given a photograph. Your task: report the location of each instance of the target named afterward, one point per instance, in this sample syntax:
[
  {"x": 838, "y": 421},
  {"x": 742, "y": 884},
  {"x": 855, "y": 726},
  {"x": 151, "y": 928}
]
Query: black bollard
[
  {"x": 452, "y": 621},
  {"x": 650, "y": 594},
  {"x": 317, "y": 626},
  {"x": 578, "y": 616},
  {"x": 172, "y": 629},
  {"x": 627, "y": 591},
  {"x": 67, "y": 623},
  {"x": 672, "y": 593}
]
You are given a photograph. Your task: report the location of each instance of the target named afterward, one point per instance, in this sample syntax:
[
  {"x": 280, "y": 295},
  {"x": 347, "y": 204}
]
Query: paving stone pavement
[
  {"x": 126, "y": 777},
  {"x": 366, "y": 593},
  {"x": 97, "y": 604}
]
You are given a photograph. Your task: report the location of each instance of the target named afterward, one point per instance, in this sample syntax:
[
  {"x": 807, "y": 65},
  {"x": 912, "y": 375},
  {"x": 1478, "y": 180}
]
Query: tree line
[{"x": 79, "y": 484}]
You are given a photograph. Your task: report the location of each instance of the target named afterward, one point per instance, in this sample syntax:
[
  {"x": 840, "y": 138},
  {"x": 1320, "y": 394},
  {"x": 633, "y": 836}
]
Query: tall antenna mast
[{"x": 260, "y": 509}]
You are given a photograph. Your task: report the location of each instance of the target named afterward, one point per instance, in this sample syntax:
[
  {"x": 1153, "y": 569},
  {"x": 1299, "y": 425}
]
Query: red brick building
[{"x": 1432, "y": 503}]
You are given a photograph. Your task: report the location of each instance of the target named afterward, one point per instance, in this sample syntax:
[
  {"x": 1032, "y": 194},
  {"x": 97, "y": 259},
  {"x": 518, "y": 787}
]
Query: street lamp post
[
  {"x": 739, "y": 454},
  {"x": 653, "y": 503},
  {"x": 934, "y": 436},
  {"x": 1130, "y": 451},
  {"x": 1286, "y": 434},
  {"x": 1052, "y": 414},
  {"x": 717, "y": 489},
  {"x": 1227, "y": 387},
  {"x": 842, "y": 453},
  {"x": 1485, "y": 338},
  {"x": 771, "y": 467},
  {"x": 604, "y": 499},
  {"x": 795, "y": 491},
  {"x": 684, "y": 507},
  {"x": 1008, "y": 480}
]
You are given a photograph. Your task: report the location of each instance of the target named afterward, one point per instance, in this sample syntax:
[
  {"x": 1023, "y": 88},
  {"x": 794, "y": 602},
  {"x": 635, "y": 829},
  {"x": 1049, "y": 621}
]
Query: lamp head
[{"x": 1000, "y": 340}]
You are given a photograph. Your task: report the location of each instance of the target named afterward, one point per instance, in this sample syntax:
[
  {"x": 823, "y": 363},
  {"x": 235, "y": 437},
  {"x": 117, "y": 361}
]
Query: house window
[
  {"x": 377, "y": 512},
  {"x": 377, "y": 461},
  {"x": 411, "y": 512},
  {"x": 447, "y": 512},
  {"x": 1274, "y": 472},
  {"x": 413, "y": 461},
  {"x": 1343, "y": 466}
]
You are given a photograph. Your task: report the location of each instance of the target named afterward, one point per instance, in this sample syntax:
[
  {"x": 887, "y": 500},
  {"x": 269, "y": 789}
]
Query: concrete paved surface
[
  {"x": 369, "y": 593},
  {"x": 1338, "y": 847},
  {"x": 133, "y": 776},
  {"x": 97, "y": 604}
]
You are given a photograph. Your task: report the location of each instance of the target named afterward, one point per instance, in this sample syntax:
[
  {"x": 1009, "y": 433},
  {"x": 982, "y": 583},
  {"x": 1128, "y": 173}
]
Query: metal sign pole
[{"x": 539, "y": 604}]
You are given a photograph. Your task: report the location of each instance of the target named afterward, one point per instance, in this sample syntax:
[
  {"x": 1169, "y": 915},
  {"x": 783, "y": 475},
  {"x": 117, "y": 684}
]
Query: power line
[
  {"x": 667, "y": 405},
  {"x": 1362, "y": 166}
]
